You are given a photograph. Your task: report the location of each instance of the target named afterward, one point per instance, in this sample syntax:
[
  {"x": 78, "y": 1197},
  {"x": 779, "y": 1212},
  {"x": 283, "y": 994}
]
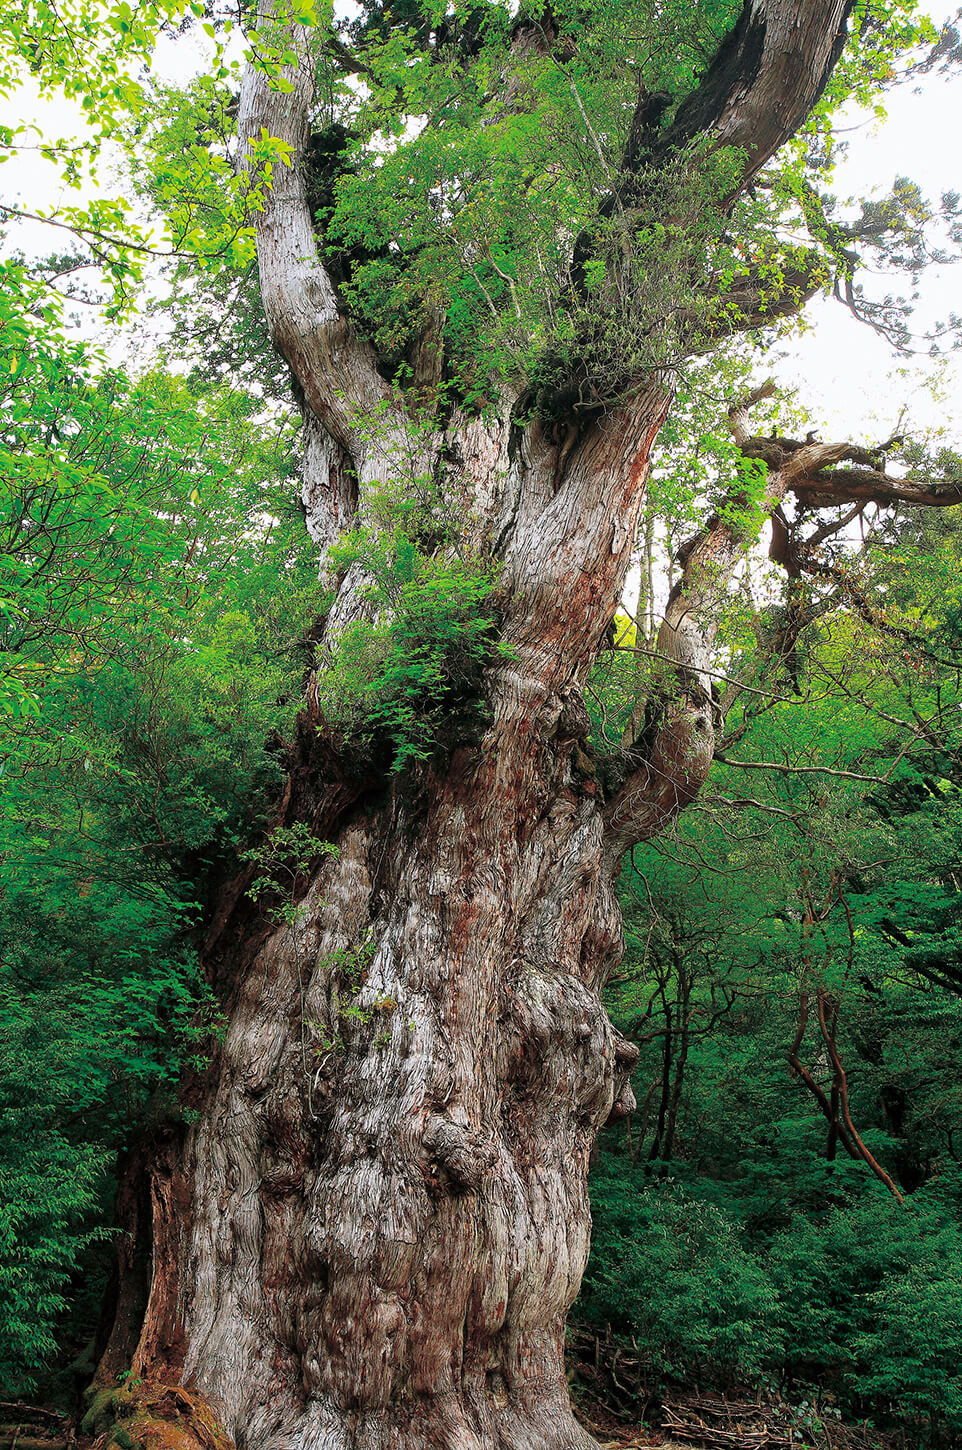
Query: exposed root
[{"x": 142, "y": 1415}]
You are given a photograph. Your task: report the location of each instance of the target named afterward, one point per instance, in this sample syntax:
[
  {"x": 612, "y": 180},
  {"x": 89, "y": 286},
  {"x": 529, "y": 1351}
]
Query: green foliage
[
  {"x": 497, "y": 264},
  {"x": 99, "y": 55},
  {"x": 824, "y": 869},
  {"x": 908, "y": 1350},
  {"x": 859, "y": 1299},
  {"x": 852, "y": 1286},
  {"x": 48, "y": 1186},
  {"x": 402, "y": 675},
  {"x": 470, "y": 197},
  {"x": 155, "y": 600},
  {"x": 286, "y": 853},
  {"x": 672, "y": 1272},
  {"x": 462, "y": 193}
]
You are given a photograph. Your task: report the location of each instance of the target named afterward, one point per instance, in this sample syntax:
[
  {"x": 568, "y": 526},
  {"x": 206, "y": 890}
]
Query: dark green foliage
[
  {"x": 859, "y": 1300},
  {"x": 671, "y": 1271},
  {"x": 150, "y": 632},
  {"x": 736, "y": 1239},
  {"x": 732, "y": 1241},
  {"x": 48, "y": 1184}
]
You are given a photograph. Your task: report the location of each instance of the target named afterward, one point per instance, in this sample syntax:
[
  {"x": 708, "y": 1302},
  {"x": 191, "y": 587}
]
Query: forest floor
[
  {"x": 697, "y": 1420},
  {"x": 691, "y": 1421}
]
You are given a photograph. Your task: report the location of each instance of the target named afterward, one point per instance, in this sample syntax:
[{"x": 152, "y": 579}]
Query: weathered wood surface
[{"x": 376, "y": 1248}]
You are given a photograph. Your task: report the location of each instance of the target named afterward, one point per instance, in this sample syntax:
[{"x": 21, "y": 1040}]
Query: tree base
[{"x": 140, "y": 1415}]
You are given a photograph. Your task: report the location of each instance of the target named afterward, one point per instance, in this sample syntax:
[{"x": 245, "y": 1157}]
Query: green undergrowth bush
[
  {"x": 673, "y": 1273},
  {"x": 869, "y": 1303},
  {"x": 861, "y": 1301},
  {"x": 156, "y": 592}
]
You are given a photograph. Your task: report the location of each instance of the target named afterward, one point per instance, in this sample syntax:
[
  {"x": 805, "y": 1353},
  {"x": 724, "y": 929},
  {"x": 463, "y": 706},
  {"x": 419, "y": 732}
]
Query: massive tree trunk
[
  {"x": 377, "y": 1243},
  {"x": 373, "y": 1232}
]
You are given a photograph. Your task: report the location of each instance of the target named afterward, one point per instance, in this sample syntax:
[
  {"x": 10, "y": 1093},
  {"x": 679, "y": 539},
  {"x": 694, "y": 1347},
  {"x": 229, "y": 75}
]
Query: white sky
[{"x": 848, "y": 377}]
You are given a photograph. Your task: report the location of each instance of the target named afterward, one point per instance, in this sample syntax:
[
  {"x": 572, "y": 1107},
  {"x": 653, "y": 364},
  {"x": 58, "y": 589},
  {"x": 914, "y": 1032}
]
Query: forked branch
[
  {"x": 670, "y": 738},
  {"x": 336, "y": 369}
]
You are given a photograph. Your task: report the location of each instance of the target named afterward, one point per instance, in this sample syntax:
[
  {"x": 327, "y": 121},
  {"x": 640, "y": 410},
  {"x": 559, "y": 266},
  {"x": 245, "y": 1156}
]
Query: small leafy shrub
[
  {"x": 286, "y": 854},
  {"x": 910, "y": 1353},
  {"x": 101, "y": 1005},
  {"x": 397, "y": 675},
  {"x": 48, "y": 1187}
]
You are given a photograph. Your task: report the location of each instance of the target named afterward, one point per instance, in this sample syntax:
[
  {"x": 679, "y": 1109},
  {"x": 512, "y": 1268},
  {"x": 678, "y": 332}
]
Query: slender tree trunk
[{"x": 683, "y": 1017}]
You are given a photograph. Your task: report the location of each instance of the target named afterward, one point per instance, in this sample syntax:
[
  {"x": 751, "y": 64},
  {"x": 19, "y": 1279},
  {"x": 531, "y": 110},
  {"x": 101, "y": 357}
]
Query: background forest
[
  {"x": 783, "y": 1210},
  {"x": 784, "y": 1205}
]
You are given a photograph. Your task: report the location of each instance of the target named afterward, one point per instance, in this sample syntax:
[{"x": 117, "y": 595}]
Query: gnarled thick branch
[
  {"x": 674, "y": 731},
  {"x": 811, "y": 473},
  {"x": 336, "y": 370},
  {"x": 869, "y": 485},
  {"x": 766, "y": 76}
]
